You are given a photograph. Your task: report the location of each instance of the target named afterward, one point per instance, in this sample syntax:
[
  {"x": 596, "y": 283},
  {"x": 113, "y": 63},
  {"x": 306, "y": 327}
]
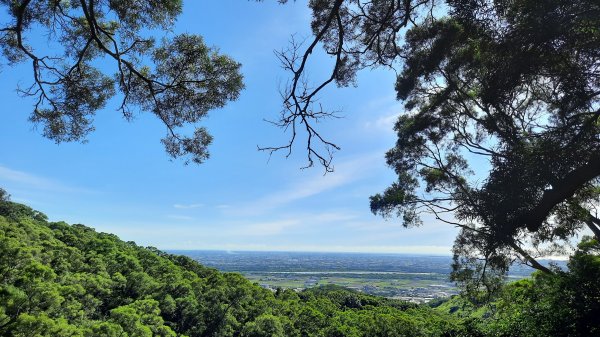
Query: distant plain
[{"x": 416, "y": 278}]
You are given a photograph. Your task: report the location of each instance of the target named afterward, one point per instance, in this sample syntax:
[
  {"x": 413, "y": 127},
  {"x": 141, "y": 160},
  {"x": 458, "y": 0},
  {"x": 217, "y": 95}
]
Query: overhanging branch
[{"x": 561, "y": 191}]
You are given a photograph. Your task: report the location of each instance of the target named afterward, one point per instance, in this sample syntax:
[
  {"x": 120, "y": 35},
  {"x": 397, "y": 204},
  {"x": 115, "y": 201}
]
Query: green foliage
[
  {"x": 500, "y": 131},
  {"x": 566, "y": 303},
  {"x": 264, "y": 326},
  {"x": 141, "y": 318},
  {"x": 68, "y": 280},
  {"x": 178, "y": 80}
]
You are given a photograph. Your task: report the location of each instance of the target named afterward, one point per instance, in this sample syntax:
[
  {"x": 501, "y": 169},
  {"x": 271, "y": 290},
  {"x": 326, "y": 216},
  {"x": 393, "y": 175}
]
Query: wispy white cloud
[
  {"x": 382, "y": 114},
  {"x": 340, "y": 216},
  {"x": 383, "y": 123},
  {"x": 32, "y": 181},
  {"x": 391, "y": 249},
  {"x": 346, "y": 172},
  {"x": 268, "y": 228},
  {"x": 329, "y": 231},
  {"x": 179, "y": 217},
  {"x": 430, "y": 224},
  {"x": 188, "y": 206},
  {"x": 185, "y": 227}
]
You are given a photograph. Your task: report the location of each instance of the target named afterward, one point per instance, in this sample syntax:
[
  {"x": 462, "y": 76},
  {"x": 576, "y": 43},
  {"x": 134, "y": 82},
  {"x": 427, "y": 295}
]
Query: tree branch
[
  {"x": 562, "y": 190},
  {"x": 533, "y": 262}
]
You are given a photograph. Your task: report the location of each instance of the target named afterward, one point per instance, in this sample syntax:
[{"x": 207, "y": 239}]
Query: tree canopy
[
  {"x": 69, "y": 280},
  {"x": 177, "y": 78},
  {"x": 495, "y": 82},
  {"x": 500, "y": 135}
]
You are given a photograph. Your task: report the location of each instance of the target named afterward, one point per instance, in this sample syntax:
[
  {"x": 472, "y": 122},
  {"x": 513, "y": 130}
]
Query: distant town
[{"x": 415, "y": 278}]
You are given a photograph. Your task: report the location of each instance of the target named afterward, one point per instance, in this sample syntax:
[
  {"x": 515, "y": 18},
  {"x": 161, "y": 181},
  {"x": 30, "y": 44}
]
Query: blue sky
[{"x": 122, "y": 182}]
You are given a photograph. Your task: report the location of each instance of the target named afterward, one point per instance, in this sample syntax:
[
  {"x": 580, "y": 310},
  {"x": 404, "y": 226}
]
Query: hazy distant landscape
[{"x": 416, "y": 278}]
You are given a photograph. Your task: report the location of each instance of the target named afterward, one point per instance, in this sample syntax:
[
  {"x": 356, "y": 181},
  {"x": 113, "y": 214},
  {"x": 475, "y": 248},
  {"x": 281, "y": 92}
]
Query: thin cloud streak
[
  {"x": 346, "y": 172},
  {"x": 189, "y": 206},
  {"x": 384, "y": 123},
  {"x": 415, "y": 249},
  {"x": 262, "y": 229},
  {"x": 179, "y": 217},
  {"x": 21, "y": 178},
  {"x": 274, "y": 234},
  {"x": 388, "y": 110}
]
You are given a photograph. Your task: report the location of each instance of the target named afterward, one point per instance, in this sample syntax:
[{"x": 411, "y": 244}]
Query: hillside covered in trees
[{"x": 69, "y": 280}]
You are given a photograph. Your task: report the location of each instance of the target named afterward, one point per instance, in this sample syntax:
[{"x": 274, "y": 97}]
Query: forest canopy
[{"x": 69, "y": 280}]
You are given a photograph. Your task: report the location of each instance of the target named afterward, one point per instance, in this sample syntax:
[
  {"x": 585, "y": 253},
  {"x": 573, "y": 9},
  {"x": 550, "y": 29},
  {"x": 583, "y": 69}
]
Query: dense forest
[{"x": 58, "y": 279}]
